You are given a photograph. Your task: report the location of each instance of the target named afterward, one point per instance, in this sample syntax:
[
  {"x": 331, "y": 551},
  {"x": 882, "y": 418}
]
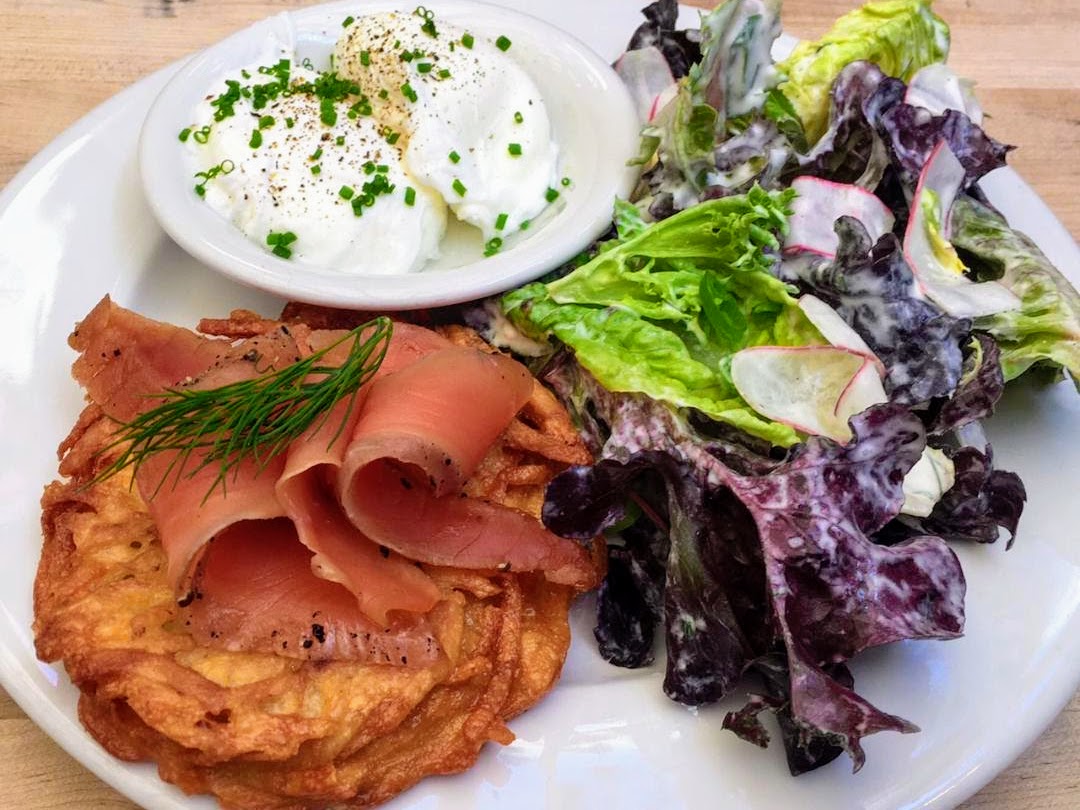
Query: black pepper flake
[
  {"x": 307, "y": 643},
  {"x": 405, "y": 482},
  {"x": 384, "y": 551},
  {"x": 319, "y": 633}
]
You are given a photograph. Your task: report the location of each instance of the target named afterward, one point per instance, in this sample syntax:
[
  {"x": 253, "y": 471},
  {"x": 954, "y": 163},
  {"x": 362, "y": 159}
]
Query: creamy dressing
[
  {"x": 293, "y": 181},
  {"x": 478, "y": 131},
  {"x": 365, "y": 180}
]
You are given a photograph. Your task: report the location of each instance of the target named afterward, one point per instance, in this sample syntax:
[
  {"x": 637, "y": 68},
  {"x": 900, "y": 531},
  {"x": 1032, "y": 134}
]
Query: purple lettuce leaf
[
  {"x": 714, "y": 595},
  {"x": 806, "y": 749},
  {"x": 851, "y": 151},
  {"x": 873, "y": 289},
  {"x": 800, "y": 531},
  {"x": 834, "y": 593},
  {"x": 981, "y": 385},
  {"x": 911, "y": 133},
  {"x": 681, "y": 49},
  {"x": 630, "y": 601},
  {"x": 981, "y": 502},
  {"x": 875, "y": 139}
]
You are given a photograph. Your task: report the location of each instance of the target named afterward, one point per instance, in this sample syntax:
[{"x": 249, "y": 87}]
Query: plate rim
[{"x": 57, "y": 725}]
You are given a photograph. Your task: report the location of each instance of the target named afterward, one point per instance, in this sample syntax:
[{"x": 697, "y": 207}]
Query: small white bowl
[{"x": 592, "y": 117}]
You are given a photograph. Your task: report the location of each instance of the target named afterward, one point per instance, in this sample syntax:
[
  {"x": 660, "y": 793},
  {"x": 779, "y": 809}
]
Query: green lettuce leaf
[
  {"x": 719, "y": 98},
  {"x": 662, "y": 312},
  {"x": 899, "y": 36},
  {"x": 1046, "y": 328}
]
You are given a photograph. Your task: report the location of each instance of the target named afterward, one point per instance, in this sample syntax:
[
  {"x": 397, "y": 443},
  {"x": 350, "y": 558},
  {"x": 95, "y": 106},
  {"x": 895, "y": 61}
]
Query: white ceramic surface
[
  {"x": 75, "y": 225},
  {"x": 592, "y": 117}
]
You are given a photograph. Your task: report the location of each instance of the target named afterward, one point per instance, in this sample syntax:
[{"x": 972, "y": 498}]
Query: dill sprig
[{"x": 253, "y": 419}]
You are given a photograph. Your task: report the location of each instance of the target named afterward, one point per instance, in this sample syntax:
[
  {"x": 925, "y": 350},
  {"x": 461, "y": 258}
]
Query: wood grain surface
[{"x": 62, "y": 58}]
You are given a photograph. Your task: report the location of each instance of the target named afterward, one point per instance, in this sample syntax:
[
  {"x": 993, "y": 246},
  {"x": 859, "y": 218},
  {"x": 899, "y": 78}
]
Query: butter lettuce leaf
[
  {"x": 899, "y": 36},
  {"x": 1045, "y": 330},
  {"x": 662, "y": 312}
]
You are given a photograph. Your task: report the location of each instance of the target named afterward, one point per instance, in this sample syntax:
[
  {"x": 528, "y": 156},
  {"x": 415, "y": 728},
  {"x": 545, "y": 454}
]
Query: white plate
[
  {"x": 592, "y": 118},
  {"x": 74, "y": 225}
]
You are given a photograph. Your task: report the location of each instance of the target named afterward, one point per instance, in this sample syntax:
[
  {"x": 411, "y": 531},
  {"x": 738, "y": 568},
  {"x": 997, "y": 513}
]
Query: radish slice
[
  {"x": 932, "y": 476},
  {"x": 836, "y": 330},
  {"x": 820, "y": 203},
  {"x": 864, "y": 389},
  {"x": 814, "y": 389},
  {"x": 647, "y": 76},
  {"x": 938, "y": 271},
  {"x": 937, "y": 88}
]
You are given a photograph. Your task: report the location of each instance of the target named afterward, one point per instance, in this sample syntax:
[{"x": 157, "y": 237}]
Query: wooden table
[{"x": 62, "y": 58}]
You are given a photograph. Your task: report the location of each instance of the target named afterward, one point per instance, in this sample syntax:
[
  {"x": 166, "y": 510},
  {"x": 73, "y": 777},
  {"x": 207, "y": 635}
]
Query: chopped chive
[
  {"x": 290, "y": 123},
  {"x": 566, "y": 182},
  {"x": 428, "y": 16},
  {"x": 279, "y": 242},
  {"x": 408, "y": 92},
  {"x": 424, "y": 67},
  {"x": 285, "y": 238},
  {"x": 256, "y": 139},
  {"x": 503, "y": 44},
  {"x": 346, "y": 192},
  {"x": 266, "y": 121},
  {"x": 365, "y": 58},
  {"x": 340, "y": 140},
  {"x": 410, "y": 195},
  {"x": 551, "y": 195},
  {"x": 467, "y": 40},
  {"x": 316, "y": 169},
  {"x": 518, "y": 118},
  {"x": 369, "y": 168},
  {"x": 327, "y": 113},
  {"x": 392, "y": 137},
  {"x": 201, "y": 135},
  {"x": 382, "y": 168},
  {"x": 185, "y": 133},
  {"x": 492, "y": 246},
  {"x": 406, "y": 56},
  {"x": 245, "y": 74},
  {"x": 316, "y": 154},
  {"x": 454, "y": 157},
  {"x": 348, "y": 21},
  {"x": 525, "y": 225},
  {"x": 225, "y": 167},
  {"x": 384, "y": 94},
  {"x": 500, "y": 221},
  {"x": 514, "y": 149},
  {"x": 459, "y": 187},
  {"x": 444, "y": 74}
]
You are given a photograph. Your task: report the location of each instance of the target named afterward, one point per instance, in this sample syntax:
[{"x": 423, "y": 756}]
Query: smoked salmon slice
[
  {"x": 253, "y": 590},
  {"x": 339, "y": 524},
  {"x": 422, "y": 433}
]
